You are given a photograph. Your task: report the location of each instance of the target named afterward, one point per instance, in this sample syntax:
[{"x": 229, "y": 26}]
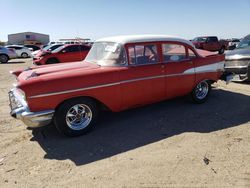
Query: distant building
[{"x": 28, "y": 38}]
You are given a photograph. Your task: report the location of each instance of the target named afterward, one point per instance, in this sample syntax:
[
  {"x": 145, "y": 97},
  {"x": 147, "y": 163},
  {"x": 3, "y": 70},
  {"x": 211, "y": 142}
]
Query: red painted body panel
[{"x": 120, "y": 87}]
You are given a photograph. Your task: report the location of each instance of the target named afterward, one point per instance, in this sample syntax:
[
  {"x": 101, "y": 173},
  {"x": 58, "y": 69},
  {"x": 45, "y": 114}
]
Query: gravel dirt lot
[{"x": 169, "y": 144}]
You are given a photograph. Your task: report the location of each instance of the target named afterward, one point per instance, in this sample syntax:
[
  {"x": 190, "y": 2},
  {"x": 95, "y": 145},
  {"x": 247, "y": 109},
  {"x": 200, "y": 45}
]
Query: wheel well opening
[
  {"x": 53, "y": 59},
  {"x": 5, "y": 55},
  {"x": 100, "y": 105}
]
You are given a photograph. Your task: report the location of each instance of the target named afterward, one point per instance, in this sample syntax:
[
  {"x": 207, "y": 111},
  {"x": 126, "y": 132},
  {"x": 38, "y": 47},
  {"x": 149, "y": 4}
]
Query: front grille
[
  {"x": 235, "y": 70},
  {"x": 236, "y": 63}
]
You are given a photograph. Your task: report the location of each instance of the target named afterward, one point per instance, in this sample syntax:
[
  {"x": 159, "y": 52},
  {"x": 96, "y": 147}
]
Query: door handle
[{"x": 162, "y": 66}]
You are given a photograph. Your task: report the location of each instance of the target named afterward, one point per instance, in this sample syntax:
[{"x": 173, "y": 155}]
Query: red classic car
[
  {"x": 118, "y": 73},
  {"x": 64, "y": 53}
]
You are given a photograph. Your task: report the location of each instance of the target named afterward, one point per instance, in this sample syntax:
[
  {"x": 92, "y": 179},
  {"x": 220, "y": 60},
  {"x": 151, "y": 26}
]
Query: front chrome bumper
[
  {"x": 20, "y": 110},
  {"x": 241, "y": 73}
]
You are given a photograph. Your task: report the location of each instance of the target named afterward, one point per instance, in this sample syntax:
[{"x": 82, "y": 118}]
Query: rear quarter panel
[{"x": 209, "y": 68}]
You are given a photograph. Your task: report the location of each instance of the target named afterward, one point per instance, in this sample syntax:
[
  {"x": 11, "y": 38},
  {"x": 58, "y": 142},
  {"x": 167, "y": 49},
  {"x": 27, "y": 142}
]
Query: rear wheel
[
  {"x": 24, "y": 55},
  {"x": 200, "y": 92},
  {"x": 52, "y": 61},
  {"x": 222, "y": 50},
  {"x": 75, "y": 117},
  {"x": 4, "y": 58}
]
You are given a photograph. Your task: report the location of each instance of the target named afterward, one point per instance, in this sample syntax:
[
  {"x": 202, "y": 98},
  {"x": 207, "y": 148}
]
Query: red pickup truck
[
  {"x": 118, "y": 73},
  {"x": 210, "y": 43}
]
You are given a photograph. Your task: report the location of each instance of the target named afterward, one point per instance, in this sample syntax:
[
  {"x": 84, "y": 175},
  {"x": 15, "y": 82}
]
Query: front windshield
[
  {"x": 200, "y": 39},
  {"x": 46, "y": 48},
  {"x": 58, "y": 49},
  {"x": 245, "y": 43},
  {"x": 107, "y": 54}
]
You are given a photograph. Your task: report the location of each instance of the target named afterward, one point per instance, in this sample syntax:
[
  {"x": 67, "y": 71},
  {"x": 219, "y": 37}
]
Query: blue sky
[{"x": 95, "y": 19}]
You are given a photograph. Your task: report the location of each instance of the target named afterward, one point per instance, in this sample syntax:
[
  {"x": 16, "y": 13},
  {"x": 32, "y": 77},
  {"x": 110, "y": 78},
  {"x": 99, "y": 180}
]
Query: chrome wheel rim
[
  {"x": 78, "y": 117},
  {"x": 201, "y": 90}
]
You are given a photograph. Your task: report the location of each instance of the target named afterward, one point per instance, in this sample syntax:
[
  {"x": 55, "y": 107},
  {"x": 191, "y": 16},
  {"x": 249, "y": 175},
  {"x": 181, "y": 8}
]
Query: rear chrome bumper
[{"x": 20, "y": 110}]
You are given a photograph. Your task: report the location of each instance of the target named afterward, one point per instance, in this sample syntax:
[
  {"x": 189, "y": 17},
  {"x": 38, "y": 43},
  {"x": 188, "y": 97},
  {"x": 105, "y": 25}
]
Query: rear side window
[
  {"x": 173, "y": 52},
  {"x": 143, "y": 54},
  {"x": 84, "y": 48},
  {"x": 15, "y": 47}
]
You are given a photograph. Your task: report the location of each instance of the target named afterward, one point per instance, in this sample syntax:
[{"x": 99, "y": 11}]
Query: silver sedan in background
[{"x": 7, "y": 54}]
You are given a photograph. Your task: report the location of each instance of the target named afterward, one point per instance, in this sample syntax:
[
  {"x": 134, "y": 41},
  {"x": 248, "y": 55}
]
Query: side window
[
  {"x": 173, "y": 52},
  {"x": 191, "y": 54},
  {"x": 84, "y": 48},
  {"x": 131, "y": 55},
  {"x": 212, "y": 39},
  {"x": 72, "y": 49},
  {"x": 143, "y": 54}
]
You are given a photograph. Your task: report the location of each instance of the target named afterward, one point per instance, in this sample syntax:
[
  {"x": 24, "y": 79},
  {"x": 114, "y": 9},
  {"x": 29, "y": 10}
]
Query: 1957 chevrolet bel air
[{"x": 119, "y": 73}]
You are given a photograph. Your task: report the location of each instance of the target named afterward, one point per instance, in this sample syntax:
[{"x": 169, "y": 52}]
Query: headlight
[{"x": 21, "y": 93}]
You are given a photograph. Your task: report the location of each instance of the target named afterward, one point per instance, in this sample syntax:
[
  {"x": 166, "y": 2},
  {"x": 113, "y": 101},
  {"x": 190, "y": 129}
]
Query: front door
[{"x": 143, "y": 79}]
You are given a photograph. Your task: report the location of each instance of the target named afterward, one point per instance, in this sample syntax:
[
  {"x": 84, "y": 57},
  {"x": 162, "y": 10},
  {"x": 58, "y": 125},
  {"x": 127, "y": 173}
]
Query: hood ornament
[{"x": 33, "y": 74}]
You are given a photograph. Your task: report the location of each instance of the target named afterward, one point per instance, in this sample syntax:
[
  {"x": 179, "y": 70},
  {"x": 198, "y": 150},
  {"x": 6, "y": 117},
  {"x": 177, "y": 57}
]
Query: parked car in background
[
  {"x": 64, "y": 53},
  {"x": 32, "y": 47},
  {"x": 210, "y": 43},
  {"x": 232, "y": 43},
  {"x": 6, "y": 54},
  {"x": 21, "y": 51},
  {"x": 45, "y": 49},
  {"x": 118, "y": 73},
  {"x": 238, "y": 60}
]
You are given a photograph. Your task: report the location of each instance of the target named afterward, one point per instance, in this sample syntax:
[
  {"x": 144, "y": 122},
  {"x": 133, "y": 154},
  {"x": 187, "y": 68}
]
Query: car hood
[
  {"x": 55, "y": 70},
  {"x": 238, "y": 54}
]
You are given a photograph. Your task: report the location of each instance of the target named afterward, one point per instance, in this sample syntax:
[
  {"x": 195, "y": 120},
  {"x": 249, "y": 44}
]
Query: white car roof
[{"x": 124, "y": 39}]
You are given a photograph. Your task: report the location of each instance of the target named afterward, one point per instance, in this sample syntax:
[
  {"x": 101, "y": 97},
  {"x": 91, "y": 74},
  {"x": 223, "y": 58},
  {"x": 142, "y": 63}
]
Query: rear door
[
  {"x": 179, "y": 69},
  {"x": 143, "y": 79}
]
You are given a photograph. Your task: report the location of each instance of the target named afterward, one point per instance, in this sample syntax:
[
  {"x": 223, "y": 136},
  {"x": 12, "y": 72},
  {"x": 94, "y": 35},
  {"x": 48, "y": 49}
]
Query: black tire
[
  {"x": 222, "y": 50},
  {"x": 4, "y": 58},
  {"x": 52, "y": 61},
  {"x": 24, "y": 55},
  {"x": 201, "y": 92},
  {"x": 66, "y": 116}
]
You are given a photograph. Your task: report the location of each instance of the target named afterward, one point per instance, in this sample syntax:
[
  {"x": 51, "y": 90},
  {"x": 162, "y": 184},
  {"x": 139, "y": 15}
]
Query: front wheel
[
  {"x": 200, "y": 92},
  {"x": 75, "y": 117}
]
